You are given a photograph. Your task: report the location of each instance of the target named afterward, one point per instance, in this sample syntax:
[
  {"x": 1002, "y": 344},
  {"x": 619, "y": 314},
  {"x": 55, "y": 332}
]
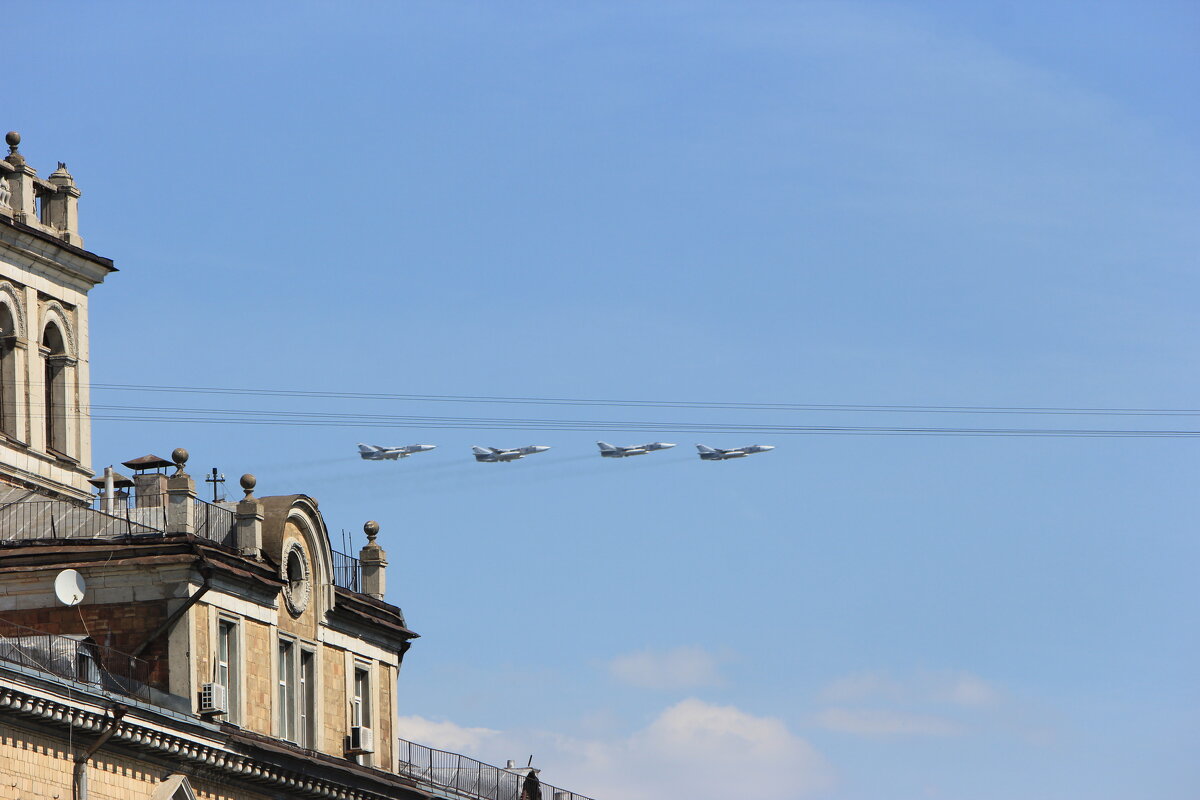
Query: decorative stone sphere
[
  {"x": 179, "y": 456},
  {"x": 248, "y": 482},
  {"x": 13, "y": 138},
  {"x": 372, "y": 530}
]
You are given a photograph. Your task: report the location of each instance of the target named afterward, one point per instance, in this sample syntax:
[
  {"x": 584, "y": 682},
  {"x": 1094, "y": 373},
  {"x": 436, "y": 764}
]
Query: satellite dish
[{"x": 69, "y": 587}]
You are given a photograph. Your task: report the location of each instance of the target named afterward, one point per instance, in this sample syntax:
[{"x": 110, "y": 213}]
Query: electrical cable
[{"x": 743, "y": 406}]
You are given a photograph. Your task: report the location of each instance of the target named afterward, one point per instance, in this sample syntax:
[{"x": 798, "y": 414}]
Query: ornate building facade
[{"x": 154, "y": 645}]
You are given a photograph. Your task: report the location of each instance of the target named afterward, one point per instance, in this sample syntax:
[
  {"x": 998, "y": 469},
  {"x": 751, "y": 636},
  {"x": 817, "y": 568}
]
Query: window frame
[
  {"x": 285, "y": 697},
  {"x": 297, "y": 691},
  {"x": 361, "y": 708},
  {"x": 234, "y": 663}
]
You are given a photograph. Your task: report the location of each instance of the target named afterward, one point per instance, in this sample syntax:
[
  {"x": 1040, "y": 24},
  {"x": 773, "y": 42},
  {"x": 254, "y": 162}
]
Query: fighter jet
[
  {"x": 612, "y": 451},
  {"x": 714, "y": 454},
  {"x": 491, "y": 454},
  {"x": 373, "y": 452}
]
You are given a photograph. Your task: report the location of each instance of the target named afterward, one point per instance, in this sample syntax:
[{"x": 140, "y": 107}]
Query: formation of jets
[{"x": 489, "y": 455}]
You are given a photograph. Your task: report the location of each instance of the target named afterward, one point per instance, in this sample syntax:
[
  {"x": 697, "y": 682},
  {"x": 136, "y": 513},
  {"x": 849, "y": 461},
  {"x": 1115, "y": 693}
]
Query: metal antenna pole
[{"x": 214, "y": 480}]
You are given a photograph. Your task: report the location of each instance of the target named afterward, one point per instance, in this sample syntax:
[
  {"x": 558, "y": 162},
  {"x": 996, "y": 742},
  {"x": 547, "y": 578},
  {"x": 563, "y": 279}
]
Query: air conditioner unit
[
  {"x": 214, "y": 699},
  {"x": 360, "y": 740}
]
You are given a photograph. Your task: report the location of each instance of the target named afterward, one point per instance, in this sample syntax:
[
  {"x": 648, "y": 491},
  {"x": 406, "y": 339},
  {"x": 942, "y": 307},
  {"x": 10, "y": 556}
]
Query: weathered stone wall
[
  {"x": 383, "y": 720},
  {"x": 259, "y": 681},
  {"x": 334, "y": 702}
]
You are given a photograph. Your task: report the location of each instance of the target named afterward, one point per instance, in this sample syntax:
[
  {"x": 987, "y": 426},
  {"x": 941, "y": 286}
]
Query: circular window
[{"x": 296, "y": 587}]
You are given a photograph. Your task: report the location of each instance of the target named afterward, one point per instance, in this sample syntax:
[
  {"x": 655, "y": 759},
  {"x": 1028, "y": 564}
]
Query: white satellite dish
[{"x": 69, "y": 587}]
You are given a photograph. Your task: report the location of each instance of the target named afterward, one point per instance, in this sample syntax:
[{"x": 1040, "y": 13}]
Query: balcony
[{"x": 76, "y": 658}]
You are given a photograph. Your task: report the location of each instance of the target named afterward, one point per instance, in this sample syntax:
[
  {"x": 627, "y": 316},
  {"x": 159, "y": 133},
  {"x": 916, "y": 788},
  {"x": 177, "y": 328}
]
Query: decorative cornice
[{"x": 178, "y": 748}]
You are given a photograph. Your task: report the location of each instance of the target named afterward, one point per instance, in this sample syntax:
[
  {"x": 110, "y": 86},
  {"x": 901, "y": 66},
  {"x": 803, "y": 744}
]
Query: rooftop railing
[
  {"x": 347, "y": 572},
  {"x": 59, "y": 519},
  {"x": 76, "y": 658},
  {"x": 468, "y": 777},
  {"x": 111, "y": 518},
  {"x": 215, "y": 523}
]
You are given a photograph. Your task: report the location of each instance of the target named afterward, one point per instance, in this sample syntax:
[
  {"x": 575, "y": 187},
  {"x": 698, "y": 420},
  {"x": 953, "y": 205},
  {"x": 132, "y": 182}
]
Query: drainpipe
[
  {"x": 77, "y": 775},
  {"x": 206, "y": 571}
]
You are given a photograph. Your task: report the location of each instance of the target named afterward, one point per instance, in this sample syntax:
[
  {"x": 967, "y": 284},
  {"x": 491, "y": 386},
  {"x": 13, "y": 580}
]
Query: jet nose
[
  {"x": 425, "y": 447},
  {"x": 540, "y": 448},
  {"x": 665, "y": 445},
  {"x": 766, "y": 447}
]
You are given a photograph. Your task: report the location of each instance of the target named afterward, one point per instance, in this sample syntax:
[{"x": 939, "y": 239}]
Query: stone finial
[
  {"x": 180, "y": 457},
  {"x": 371, "y": 529},
  {"x": 248, "y": 482},
  {"x": 61, "y": 177},
  {"x": 14, "y": 141}
]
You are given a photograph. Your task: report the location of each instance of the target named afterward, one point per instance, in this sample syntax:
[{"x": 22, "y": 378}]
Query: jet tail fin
[
  {"x": 366, "y": 448},
  {"x": 703, "y": 448},
  {"x": 605, "y": 447},
  {"x": 481, "y": 451}
]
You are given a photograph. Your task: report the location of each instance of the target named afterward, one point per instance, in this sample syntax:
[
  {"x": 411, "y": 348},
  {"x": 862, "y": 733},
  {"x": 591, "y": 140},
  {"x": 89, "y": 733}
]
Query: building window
[
  {"x": 297, "y": 585},
  {"x": 308, "y": 699},
  {"x": 8, "y": 372},
  {"x": 287, "y": 690},
  {"x": 228, "y": 672},
  {"x": 298, "y": 693},
  {"x": 360, "y": 709},
  {"x": 55, "y": 385},
  {"x": 360, "y": 705}
]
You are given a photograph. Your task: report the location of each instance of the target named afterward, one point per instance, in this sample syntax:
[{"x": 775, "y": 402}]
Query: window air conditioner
[
  {"x": 214, "y": 699},
  {"x": 360, "y": 740}
]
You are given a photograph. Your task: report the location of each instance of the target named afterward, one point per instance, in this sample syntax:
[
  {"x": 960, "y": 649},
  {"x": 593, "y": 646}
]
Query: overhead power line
[
  {"x": 230, "y": 416},
  {"x": 691, "y": 404}
]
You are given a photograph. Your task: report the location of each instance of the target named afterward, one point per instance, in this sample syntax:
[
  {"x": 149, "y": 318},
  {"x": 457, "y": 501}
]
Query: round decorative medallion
[{"x": 297, "y": 586}]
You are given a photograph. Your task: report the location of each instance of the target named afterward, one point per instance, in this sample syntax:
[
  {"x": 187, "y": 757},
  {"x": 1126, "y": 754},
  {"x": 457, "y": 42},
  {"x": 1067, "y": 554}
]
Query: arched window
[
  {"x": 8, "y": 372},
  {"x": 55, "y": 383}
]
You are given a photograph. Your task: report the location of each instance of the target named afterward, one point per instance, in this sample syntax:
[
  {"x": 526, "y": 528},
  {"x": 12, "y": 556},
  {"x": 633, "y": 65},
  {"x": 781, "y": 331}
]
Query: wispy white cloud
[
  {"x": 691, "y": 749},
  {"x": 678, "y": 668},
  {"x": 969, "y": 690},
  {"x": 862, "y": 686},
  {"x": 925, "y": 704},
  {"x": 954, "y": 688},
  {"x": 876, "y": 722},
  {"x": 444, "y": 735}
]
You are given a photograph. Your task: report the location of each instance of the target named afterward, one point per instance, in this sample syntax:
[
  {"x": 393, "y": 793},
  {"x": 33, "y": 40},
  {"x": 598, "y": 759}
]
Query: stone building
[{"x": 154, "y": 645}]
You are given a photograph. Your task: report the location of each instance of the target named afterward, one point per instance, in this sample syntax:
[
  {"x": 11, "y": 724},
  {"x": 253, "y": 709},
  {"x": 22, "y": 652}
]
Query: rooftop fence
[
  {"x": 470, "y": 778},
  {"x": 59, "y": 519},
  {"x": 347, "y": 572},
  {"x": 76, "y": 658},
  {"x": 110, "y": 518}
]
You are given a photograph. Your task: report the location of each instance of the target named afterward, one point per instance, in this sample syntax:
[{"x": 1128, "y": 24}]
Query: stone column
[
  {"x": 64, "y": 206},
  {"x": 181, "y": 496},
  {"x": 23, "y": 192},
  {"x": 249, "y": 516},
  {"x": 374, "y": 564}
]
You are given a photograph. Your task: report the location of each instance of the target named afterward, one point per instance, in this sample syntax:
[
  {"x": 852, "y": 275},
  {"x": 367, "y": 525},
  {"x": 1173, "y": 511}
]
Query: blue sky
[{"x": 983, "y": 204}]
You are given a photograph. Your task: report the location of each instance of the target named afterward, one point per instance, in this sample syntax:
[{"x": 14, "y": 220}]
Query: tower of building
[{"x": 45, "y": 277}]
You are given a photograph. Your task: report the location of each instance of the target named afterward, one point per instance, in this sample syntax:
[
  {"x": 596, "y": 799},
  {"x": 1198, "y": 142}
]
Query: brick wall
[{"x": 123, "y": 626}]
